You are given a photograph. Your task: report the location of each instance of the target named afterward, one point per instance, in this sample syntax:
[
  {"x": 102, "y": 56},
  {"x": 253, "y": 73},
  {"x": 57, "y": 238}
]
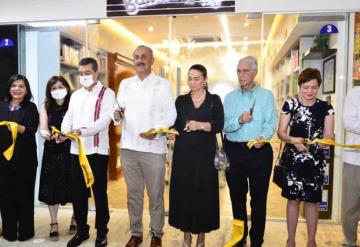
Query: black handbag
[{"x": 279, "y": 175}]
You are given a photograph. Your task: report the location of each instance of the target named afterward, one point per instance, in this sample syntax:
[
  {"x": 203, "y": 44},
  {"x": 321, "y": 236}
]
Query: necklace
[
  {"x": 13, "y": 107},
  {"x": 202, "y": 96},
  {"x": 308, "y": 103}
]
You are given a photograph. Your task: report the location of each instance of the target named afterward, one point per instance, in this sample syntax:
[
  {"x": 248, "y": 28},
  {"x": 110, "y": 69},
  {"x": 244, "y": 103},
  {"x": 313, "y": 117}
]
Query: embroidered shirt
[
  {"x": 148, "y": 104},
  {"x": 90, "y": 111}
]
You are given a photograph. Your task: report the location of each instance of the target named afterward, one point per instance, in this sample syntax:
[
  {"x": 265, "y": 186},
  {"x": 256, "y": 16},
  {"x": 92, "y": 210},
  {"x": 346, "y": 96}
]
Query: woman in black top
[
  {"x": 55, "y": 170},
  {"x": 17, "y": 175},
  {"x": 308, "y": 118},
  {"x": 194, "y": 186}
]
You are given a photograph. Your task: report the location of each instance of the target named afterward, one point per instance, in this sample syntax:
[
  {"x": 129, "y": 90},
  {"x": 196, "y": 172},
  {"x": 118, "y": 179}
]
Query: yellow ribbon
[
  {"x": 251, "y": 143},
  {"x": 162, "y": 130},
  {"x": 84, "y": 163},
  {"x": 8, "y": 153}
]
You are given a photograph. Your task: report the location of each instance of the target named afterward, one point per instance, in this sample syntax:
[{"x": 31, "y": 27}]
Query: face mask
[
  {"x": 86, "y": 80},
  {"x": 59, "y": 93}
]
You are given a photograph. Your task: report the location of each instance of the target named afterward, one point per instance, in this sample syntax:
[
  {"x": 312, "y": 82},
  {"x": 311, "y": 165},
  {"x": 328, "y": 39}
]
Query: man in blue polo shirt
[{"x": 250, "y": 114}]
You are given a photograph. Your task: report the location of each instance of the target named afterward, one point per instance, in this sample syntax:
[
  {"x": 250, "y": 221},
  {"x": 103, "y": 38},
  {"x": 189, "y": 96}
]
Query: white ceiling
[{"x": 243, "y": 32}]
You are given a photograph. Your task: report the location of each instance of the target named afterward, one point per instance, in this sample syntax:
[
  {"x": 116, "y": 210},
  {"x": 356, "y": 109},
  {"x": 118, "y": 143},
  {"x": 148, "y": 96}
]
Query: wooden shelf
[
  {"x": 316, "y": 55},
  {"x": 69, "y": 66}
]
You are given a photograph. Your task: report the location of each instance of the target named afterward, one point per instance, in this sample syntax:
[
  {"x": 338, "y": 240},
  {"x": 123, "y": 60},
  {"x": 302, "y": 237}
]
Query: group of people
[{"x": 145, "y": 103}]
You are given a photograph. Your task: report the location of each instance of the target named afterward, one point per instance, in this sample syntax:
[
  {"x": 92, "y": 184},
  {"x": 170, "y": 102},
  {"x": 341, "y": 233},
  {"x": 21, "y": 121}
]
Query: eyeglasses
[{"x": 244, "y": 71}]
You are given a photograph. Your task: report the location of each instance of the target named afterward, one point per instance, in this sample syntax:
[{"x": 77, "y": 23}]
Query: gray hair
[
  {"x": 146, "y": 47},
  {"x": 250, "y": 59}
]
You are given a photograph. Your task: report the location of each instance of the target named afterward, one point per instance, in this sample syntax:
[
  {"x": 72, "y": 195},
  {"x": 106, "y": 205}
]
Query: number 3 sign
[{"x": 329, "y": 28}]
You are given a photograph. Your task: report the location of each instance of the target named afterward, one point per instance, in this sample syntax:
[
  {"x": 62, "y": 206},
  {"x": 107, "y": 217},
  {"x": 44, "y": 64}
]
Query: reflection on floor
[
  {"x": 329, "y": 234},
  {"x": 275, "y": 209},
  {"x": 275, "y": 233}
]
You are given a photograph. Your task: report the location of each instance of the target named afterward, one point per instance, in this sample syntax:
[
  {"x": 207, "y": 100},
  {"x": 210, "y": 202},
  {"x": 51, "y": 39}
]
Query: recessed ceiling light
[
  {"x": 151, "y": 29},
  {"x": 246, "y": 24},
  {"x": 246, "y": 38}
]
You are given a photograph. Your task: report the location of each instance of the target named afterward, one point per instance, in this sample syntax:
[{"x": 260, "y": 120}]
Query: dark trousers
[
  {"x": 80, "y": 194},
  {"x": 249, "y": 169},
  {"x": 17, "y": 203}
]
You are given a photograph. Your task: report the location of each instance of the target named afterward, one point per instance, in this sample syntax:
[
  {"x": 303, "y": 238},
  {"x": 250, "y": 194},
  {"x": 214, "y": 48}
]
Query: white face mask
[
  {"x": 59, "y": 93},
  {"x": 86, "y": 80}
]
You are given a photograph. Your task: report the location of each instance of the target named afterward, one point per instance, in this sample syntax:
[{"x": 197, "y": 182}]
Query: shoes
[
  {"x": 187, "y": 239},
  {"x": 72, "y": 227},
  {"x": 54, "y": 235},
  {"x": 200, "y": 242},
  {"x": 242, "y": 243},
  {"x": 101, "y": 241},
  {"x": 155, "y": 242},
  {"x": 78, "y": 239},
  {"x": 134, "y": 241}
]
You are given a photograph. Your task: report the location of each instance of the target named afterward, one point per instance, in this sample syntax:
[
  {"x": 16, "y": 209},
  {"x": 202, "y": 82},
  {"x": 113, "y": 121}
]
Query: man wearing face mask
[
  {"x": 89, "y": 115},
  {"x": 144, "y": 102}
]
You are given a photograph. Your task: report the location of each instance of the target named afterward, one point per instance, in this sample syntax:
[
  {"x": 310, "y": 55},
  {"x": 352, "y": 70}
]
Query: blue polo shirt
[{"x": 264, "y": 114}]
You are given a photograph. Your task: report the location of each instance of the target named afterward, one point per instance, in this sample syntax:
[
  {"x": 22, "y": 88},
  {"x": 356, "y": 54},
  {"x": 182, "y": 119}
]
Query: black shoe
[
  {"x": 101, "y": 241},
  {"x": 242, "y": 243},
  {"x": 78, "y": 239}
]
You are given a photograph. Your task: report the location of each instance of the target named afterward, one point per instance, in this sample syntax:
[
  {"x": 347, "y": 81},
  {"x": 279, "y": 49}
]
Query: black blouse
[{"x": 25, "y": 153}]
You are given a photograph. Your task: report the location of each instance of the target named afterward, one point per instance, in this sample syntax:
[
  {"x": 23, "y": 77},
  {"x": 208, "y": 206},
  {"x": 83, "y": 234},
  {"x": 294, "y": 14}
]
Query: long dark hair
[
  {"x": 28, "y": 96},
  {"x": 50, "y": 102}
]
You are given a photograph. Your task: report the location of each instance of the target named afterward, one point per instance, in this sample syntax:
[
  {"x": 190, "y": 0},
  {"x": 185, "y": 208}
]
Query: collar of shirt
[
  {"x": 95, "y": 89},
  {"x": 148, "y": 79},
  {"x": 247, "y": 93}
]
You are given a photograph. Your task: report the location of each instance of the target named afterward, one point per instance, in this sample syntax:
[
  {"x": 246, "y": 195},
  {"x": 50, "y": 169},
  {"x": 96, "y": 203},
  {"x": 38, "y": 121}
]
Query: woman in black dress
[
  {"x": 308, "y": 118},
  {"x": 55, "y": 169},
  {"x": 194, "y": 186},
  {"x": 17, "y": 175}
]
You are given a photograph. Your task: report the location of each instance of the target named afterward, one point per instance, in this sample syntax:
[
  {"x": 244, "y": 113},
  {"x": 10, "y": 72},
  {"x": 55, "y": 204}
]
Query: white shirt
[
  {"x": 148, "y": 104},
  {"x": 351, "y": 119},
  {"x": 90, "y": 112}
]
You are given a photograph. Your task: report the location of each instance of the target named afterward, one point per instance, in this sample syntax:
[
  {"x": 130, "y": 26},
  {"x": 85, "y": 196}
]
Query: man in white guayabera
[{"x": 144, "y": 102}]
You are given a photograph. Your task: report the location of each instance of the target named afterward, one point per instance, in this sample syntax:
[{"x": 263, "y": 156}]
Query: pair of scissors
[{"x": 252, "y": 107}]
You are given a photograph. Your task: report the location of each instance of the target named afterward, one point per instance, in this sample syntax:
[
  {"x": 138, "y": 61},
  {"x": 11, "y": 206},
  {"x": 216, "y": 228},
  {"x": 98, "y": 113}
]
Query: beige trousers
[
  {"x": 142, "y": 169},
  {"x": 350, "y": 203}
]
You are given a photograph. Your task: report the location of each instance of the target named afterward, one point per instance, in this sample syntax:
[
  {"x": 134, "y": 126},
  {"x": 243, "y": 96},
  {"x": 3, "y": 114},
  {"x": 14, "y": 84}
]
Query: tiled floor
[
  {"x": 275, "y": 234},
  {"x": 329, "y": 234}
]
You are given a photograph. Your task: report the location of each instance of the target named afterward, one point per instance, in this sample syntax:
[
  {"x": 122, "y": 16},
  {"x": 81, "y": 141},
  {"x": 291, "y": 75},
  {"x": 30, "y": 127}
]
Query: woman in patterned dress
[{"x": 308, "y": 118}]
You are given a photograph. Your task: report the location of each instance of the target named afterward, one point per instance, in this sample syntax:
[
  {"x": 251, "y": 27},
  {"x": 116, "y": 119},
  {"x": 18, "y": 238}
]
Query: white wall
[
  {"x": 42, "y": 62},
  {"x": 277, "y": 6},
  {"x": 43, "y": 10}
]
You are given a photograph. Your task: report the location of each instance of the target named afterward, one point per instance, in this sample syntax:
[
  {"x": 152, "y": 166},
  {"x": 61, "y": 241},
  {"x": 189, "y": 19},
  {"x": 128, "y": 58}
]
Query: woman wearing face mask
[
  {"x": 18, "y": 174},
  {"x": 55, "y": 170},
  {"x": 308, "y": 118},
  {"x": 194, "y": 185}
]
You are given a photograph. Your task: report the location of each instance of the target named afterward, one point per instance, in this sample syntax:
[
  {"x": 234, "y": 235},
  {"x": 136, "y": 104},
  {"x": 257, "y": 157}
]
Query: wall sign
[
  {"x": 329, "y": 28},
  {"x": 6, "y": 42},
  {"x": 286, "y": 6},
  {"x": 167, "y": 7}
]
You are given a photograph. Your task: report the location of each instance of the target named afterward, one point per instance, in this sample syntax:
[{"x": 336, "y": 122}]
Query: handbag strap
[
  {"x": 279, "y": 153},
  {"x": 212, "y": 105}
]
